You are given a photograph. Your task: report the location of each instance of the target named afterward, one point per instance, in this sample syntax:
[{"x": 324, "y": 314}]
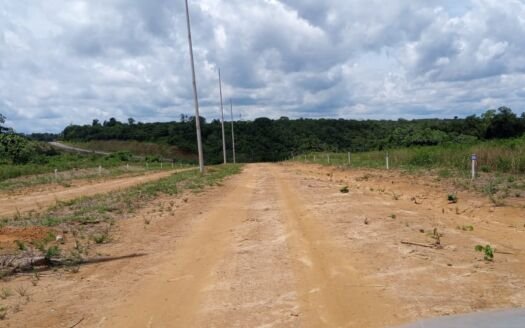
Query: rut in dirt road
[{"x": 255, "y": 259}]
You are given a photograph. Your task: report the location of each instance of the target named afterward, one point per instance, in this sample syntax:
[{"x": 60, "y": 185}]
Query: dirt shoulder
[{"x": 42, "y": 198}]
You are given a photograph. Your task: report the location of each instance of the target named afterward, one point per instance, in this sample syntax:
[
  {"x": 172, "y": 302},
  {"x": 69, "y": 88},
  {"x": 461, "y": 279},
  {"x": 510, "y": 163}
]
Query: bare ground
[{"x": 281, "y": 246}]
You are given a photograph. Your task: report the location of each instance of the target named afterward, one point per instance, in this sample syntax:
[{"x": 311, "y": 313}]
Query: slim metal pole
[
  {"x": 233, "y": 133},
  {"x": 195, "y": 98},
  {"x": 222, "y": 120},
  {"x": 474, "y": 159}
]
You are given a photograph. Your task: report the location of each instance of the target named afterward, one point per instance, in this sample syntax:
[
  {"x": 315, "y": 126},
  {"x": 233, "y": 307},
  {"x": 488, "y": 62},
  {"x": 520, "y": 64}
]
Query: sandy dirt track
[
  {"x": 280, "y": 246},
  {"x": 11, "y": 202}
]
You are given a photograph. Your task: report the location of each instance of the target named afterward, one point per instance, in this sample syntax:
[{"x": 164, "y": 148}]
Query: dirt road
[
  {"x": 281, "y": 246},
  {"x": 11, "y": 203}
]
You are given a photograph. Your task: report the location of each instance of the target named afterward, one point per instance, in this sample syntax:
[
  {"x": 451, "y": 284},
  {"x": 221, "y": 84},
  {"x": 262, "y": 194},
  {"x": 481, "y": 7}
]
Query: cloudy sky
[{"x": 69, "y": 61}]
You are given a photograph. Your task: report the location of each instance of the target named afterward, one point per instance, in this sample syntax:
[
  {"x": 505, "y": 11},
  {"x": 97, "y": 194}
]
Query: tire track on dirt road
[
  {"x": 173, "y": 297},
  {"x": 10, "y": 205},
  {"x": 255, "y": 259},
  {"x": 331, "y": 291}
]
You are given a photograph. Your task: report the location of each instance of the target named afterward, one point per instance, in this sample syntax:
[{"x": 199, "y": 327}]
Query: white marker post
[
  {"x": 127, "y": 167},
  {"x": 349, "y": 158},
  {"x": 474, "y": 159},
  {"x": 328, "y": 158},
  {"x": 99, "y": 169},
  {"x": 56, "y": 174},
  {"x": 387, "y": 161}
]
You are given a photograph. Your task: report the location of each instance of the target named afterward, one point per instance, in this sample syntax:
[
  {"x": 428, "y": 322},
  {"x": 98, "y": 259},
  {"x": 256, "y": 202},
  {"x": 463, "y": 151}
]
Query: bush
[{"x": 16, "y": 149}]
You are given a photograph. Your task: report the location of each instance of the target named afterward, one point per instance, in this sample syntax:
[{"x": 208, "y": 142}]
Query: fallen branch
[
  {"x": 43, "y": 263},
  {"x": 418, "y": 244},
  {"x": 78, "y": 322},
  {"x": 502, "y": 252}
]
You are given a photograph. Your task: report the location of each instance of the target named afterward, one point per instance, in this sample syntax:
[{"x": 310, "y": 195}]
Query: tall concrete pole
[
  {"x": 222, "y": 120},
  {"x": 195, "y": 98},
  {"x": 233, "y": 133}
]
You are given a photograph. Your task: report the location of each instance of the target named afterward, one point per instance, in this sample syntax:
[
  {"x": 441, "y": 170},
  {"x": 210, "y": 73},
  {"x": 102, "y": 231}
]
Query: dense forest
[{"x": 264, "y": 139}]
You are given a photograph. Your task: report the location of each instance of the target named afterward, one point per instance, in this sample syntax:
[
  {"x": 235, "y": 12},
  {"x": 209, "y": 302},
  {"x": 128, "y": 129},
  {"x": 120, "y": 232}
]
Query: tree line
[{"x": 264, "y": 139}]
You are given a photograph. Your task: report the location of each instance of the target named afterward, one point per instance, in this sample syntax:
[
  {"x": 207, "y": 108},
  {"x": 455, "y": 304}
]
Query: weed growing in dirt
[
  {"x": 436, "y": 235},
  {"x": 452, "y": 198},
  {"x": 5, "y": 293},
  {"x": 466, "y": 228},
  {"x": 22, "y": 291},
  {"x": 487, "y": 250},
  {"x": 101, "y": 238},
  {"x": 3, "y": 312},
  {"x": 395, "y": 196},
  {"x": 344, "y": 190},
  {"x": 52, "y": 252},
  {"x": 393, "y": 216},
  {"x": 20, "y": 245}
]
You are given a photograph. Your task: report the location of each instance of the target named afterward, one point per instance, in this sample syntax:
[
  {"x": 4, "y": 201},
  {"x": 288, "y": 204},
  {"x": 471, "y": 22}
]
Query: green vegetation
[
  {"x": 452, "y": 198},
  {"x": 138, "y": 148},
  {"x": 505, "y": 156},
  {"x": 344, "y": 190},
  {"x": 271, "y": 140},
  {"x": 488, "y": 252}
]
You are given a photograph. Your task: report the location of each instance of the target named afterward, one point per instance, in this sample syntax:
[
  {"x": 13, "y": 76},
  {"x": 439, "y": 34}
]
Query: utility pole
[
  {"x": 195, "y": 98},
  {"x": 233, "y": 133},
  {"x": 222, "y": 120}
]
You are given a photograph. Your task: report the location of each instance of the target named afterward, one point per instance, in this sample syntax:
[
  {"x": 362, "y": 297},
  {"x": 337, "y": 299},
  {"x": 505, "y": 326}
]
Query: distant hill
[
  {"x": 138, "y": 148},
  {"x": 265, "y": 139}
]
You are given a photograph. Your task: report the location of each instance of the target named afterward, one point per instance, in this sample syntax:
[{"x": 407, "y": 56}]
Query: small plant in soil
[
  {"x": 20, "y": 245},
  {"x": 344, "y": 190},
  {"x": 100, "y": 238},
  {"x": 3, "y": 312},
  {"x": 436, "y": 235},
  {"x": 51, "y": 252},
  {"x": 5, "y": 293},
  {"x": 487, "y": 250},
  {"x": 452, "y": 198},
  {"x": 22, "y": 291}
]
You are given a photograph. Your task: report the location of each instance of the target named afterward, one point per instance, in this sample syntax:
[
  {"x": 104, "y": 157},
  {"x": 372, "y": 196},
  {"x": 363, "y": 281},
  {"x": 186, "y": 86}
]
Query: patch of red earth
[{"x": 8, "y": 235}]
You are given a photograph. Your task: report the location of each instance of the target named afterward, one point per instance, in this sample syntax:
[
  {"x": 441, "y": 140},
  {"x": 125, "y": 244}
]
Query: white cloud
[{"x": 64, "y": 62}]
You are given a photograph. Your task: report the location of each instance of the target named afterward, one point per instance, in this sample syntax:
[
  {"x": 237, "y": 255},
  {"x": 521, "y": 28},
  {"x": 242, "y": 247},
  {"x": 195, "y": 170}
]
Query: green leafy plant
[
  {"x": 344, "y": 190},
  {"x": 101, "y": 238},
  {"x": 452, "y": 198},
  {"x": 51, "y": 252},
  {"x": 487, "y": 250}
]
